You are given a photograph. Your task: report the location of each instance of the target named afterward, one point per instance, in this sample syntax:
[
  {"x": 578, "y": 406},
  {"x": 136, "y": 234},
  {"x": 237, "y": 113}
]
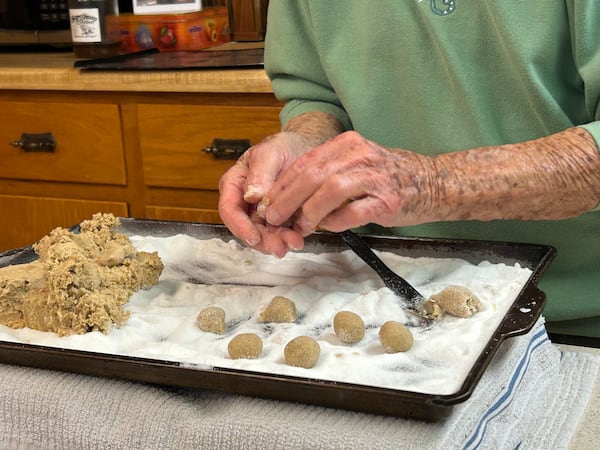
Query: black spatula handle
[{"x": 392, "y": 280}]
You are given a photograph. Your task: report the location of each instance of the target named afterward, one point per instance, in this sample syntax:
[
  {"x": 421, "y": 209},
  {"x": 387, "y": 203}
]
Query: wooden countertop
[{"x": 55, "y": 71}]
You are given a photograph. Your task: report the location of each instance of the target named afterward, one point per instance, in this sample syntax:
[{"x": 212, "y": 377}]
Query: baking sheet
[
  {"x": 152, "y": 59},
  {"x": 520, "y": 318}
]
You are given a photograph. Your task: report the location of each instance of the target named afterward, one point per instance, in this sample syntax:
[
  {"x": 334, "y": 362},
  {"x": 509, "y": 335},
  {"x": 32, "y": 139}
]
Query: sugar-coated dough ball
[
  {"x": 280, "y": 310},
  {"x": 458, "y": 301},
  {"x": 432, "y": 310},
  {"x": 395, "y": 337},
  {"x": 245, "y": 346},
  {"x": 302, "y": 351},
  {"x": 212, "y": 320},
  {"x": 348, "y": 326}
]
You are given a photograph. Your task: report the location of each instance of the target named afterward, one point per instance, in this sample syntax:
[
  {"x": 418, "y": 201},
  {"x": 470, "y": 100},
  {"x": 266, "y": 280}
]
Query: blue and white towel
[{"x": 531, "y": 396}]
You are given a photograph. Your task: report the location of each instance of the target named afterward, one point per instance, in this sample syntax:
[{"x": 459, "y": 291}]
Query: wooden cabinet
[
  {"x": 88, "y": 142},
  {"x": 181, "y": 178},
  {"x": 82, "y": 173},
  {"x": 173, "y": 139},
  {"x": 136, "y": 154}
]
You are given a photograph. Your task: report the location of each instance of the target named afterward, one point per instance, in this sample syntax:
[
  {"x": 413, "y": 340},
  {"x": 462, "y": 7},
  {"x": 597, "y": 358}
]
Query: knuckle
[
  {"x": 383, "y": 212},
  {"x": 349, "y": 138}
]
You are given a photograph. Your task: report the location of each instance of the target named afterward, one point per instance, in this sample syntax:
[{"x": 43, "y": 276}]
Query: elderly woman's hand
[
  {"x": 350, "y": 181},
  {"x": 244, "y": 185},
  {"x": 242, "y": 188}
]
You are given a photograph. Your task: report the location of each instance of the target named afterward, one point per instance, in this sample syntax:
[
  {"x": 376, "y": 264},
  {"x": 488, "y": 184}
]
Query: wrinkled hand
[
  {"x": 350, "y": 181},
  {"x": 244, "y": 185}
]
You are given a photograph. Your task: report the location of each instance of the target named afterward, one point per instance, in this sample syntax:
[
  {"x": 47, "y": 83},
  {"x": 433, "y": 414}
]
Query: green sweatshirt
[{"x": 435, "y": 76}]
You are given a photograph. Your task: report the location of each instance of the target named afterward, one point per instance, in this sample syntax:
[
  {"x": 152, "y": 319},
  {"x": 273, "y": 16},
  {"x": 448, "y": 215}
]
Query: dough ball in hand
[
  {"x": 395, "y": 337},
  {"x": 302, "y": 351},
  {"x": 211, "y": 320},
  {"x": 245, "y": 346},
  {"x": 348, "y": 326},
  {"x": 457, "y": 301},
  {"x": 280, "y": 310}
]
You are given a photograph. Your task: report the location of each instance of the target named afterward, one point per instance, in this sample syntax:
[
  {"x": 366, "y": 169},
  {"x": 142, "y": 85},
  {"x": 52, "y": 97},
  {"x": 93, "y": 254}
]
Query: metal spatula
[{"x": 412, "y": 300}]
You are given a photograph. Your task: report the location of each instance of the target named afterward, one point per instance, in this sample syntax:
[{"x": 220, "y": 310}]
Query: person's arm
[
  {"x": 350, "y": 181},
  {"x": 554, "y": 177},
  {"x": 315, "y": 127}
]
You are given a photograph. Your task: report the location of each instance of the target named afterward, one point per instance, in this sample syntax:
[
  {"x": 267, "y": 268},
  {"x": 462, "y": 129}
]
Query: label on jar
[{"x": 85, "y": 25}]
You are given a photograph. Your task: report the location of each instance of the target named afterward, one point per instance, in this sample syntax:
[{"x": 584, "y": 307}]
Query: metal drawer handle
[
  {"x": 36, "y": 142},
  {"x": 228, "y": 148}
]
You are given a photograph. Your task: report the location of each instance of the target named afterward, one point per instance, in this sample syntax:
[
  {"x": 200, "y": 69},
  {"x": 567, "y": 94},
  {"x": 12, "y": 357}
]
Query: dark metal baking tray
[
  {"x": 519, "y": 319},
  {"x": 152, "y": 59}
]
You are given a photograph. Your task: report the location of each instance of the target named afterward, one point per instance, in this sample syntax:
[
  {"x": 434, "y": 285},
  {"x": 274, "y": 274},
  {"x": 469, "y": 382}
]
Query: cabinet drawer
[
  {"x": 24, "y": 220},
  {"x": 183, "y": 214},
  {"x": 173, "y": 137},
  {"x": 88, "y": 138}
]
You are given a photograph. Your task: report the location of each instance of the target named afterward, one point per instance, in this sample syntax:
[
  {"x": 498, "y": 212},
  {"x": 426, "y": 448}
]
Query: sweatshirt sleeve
[
  {"x": 293, "y": 63},
  {"x": 585, "y": 35}
]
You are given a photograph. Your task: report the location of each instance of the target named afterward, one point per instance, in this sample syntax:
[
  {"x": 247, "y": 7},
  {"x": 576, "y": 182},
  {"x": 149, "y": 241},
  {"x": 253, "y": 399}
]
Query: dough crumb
[
  {"x": 280, "y": 310},
  {"x": 302, "y": 351},
  {"x": 80, "y": 281},
  {"x": 395, "y": 337},
  {"x": 432, "y": 310},
  {"x": 348, "y": 326},
  {"x": 211, "y": 320},
  {"x": 245, "y": 346},
  {"x": 455, "y": 300}
]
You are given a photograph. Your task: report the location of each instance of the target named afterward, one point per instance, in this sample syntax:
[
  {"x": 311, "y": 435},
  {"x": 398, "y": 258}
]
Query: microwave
[
  {"x": 31, "y": 22},
  {"x": 39, "y": 22}
]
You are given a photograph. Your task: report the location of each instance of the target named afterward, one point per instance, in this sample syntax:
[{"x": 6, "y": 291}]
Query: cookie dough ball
[
  {"x": 280, "y": 310},
  {"x": 211, "y": 320},
  {"x": 457, "y": 301},
  {"x": 432, "y": 310},
  {"x": 245, "y": 346},
  {"x": 395, "y": 337},
  {"x": 348, "y": 326},
  {"x": 302, "y": 351}
]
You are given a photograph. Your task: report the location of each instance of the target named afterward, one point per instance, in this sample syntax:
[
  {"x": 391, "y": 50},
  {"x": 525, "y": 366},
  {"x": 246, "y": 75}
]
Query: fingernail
[
  {"x": 253, "y": 241},
  {"x": 303, "y": 227},
  {"x": 261, "y": 209},
  {"x": 293, "y": 247},
  {"x": 272, "y": 217},
  {"x": 252, "y": 192}
]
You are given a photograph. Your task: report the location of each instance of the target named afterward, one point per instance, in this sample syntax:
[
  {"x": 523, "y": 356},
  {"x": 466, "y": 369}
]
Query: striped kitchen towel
[{"x": 531, "y": 396}]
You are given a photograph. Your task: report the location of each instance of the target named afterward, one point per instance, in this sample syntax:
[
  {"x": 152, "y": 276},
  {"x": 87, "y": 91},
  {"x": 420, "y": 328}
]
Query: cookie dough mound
[
  {"x": 455, "y": 300},
  {"x": 211, "y": 320},
  {"x": 348, "y": 326},
  {"x": 395, "y": 337},
  {"x": 80, "y": 281},
  {"x": 280, "y": 310},
  {"x": 14, "y": 282},
  {"x": 302, "y": 351},
  {"x": 245, "y": 346}
]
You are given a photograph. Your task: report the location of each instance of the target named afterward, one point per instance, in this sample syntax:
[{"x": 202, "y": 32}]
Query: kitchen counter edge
[{"x": 55, "y": 71}]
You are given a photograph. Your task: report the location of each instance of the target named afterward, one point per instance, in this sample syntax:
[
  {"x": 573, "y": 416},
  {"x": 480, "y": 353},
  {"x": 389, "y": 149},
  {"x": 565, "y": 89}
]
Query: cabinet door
[
  {"x": 89, "y": 143},
  {"x": 173, "y": 137},
  {"x": 24, "y": 220}
]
